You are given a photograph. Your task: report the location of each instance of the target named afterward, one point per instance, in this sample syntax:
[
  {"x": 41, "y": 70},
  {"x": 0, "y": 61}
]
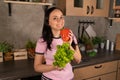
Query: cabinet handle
[
  {"x": 92, "y": 9},
  {"x": 88, "y": 9},
  {"x": 98, "y": 66}
]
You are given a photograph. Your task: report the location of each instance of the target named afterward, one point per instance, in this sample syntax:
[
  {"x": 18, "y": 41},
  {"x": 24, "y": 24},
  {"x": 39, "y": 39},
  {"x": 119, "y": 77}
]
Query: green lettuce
[{"x": 63, "y": 55}]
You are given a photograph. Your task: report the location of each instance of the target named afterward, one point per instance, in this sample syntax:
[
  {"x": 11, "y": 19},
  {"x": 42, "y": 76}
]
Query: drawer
[
  {"x": 95, "y": 70},
  {"x": 118, "y": 74},
  {"x": 119, "y": 63},
  {"x": 110, "y": 76}
]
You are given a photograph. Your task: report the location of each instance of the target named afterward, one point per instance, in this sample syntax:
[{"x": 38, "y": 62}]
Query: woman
[{"x": 46, "y": 48}]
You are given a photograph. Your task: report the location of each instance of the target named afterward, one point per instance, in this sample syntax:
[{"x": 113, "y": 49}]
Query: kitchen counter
[
  {"x": 101, "y": 57},
  {"x": 13, "y": 70}
]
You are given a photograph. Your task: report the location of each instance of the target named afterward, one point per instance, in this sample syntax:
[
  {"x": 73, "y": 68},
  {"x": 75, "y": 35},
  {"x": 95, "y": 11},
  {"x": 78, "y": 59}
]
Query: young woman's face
[{"x": 56, "y": 20}]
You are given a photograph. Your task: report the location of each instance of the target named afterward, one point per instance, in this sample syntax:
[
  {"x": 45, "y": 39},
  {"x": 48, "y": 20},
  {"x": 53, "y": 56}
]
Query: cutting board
[{"x": 117, "y": 47}]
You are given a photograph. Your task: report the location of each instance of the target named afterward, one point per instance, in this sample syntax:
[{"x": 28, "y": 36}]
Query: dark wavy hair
[{"x": 46, "y": 32}]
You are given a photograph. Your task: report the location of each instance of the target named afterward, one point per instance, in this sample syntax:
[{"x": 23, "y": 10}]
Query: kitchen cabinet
[
  {"x": 116, "y": 4},
  {"x": 103, "y": 71},
  {"x": 84, "y": 7},
  {"x": 110, "y": 76},
  {"x": 116, "y": 11},
  {"x": 118, "y": 73}
]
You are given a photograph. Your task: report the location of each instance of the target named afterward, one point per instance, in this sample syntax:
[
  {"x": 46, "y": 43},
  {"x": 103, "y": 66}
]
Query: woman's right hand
[{"x": 58, "y": 68}]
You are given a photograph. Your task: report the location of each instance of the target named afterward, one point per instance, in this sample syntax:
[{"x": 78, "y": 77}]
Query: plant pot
[
  {"x": 8, "y": 56},
  {"x": 102, "y": 45},
  {"x": 96, "y": 46},
  {"x": 88, "y": 47},
  {"x": 1, "y": 56},
  {"x": 31, "y": 53}
]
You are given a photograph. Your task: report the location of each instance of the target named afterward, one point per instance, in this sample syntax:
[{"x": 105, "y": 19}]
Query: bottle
[
  {"x": 107, "y": 44},
  {"x": 112, "y": 46}
]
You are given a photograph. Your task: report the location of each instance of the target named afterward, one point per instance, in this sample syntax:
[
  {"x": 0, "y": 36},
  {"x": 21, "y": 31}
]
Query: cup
[{"x": 102, "y": 45}]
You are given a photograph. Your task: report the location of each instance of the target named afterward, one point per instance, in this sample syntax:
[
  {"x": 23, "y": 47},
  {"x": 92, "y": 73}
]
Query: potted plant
[
  {"x": 30, "y": 46},
  {"x": 87, "y": 42},
  {"x": 6, "y": 49},
  {"x": 98, "y": 40},
  {"x": 91, "y": 44}
]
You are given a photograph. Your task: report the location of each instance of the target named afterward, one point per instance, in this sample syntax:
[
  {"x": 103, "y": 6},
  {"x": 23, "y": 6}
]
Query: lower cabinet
[
  {"x": 118, "y": 72},
  {"x": 103, "y": 71},
  {"x": 109, "y": 76}
]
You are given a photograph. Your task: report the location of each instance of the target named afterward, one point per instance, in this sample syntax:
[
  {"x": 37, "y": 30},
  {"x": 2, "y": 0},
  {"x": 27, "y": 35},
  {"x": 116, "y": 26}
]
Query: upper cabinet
[
  {"x": 84, "y": 7},
  {"x": 116, "y": 11},
  {"x": 116, "y": 4}
]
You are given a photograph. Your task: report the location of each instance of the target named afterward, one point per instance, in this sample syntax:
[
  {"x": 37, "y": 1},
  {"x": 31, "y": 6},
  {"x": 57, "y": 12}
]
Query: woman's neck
[{"x": 56, "y": 33}]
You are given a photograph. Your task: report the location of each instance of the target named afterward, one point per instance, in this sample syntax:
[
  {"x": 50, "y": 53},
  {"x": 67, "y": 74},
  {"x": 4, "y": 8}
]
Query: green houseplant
[
  {"x": 98, "y": 40},
  {"x": 91, "y": 43},
  {"x": 87, "y": 42},
  {"x": 30, "y": 46},
  {"x": 6, "y": 48}
]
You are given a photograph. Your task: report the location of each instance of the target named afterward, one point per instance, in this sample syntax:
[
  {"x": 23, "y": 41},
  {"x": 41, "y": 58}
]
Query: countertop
[
  {"x": 13, "y": 70},
  {"x": 101, "y": 57},
  {"x": 24, "y": 68}
]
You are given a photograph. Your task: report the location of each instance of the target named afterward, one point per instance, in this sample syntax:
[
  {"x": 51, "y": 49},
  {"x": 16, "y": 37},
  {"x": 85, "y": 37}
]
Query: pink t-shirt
[{"x": 66, "y": 73}]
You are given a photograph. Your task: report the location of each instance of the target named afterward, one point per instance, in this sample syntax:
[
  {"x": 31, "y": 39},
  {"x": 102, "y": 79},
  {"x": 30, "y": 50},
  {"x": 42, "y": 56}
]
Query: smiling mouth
[{"x": 59, "y": 26}]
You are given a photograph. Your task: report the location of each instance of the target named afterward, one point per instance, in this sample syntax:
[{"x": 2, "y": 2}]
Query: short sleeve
[
  {"x": 40, "y": 46},
  {"x": 75, "y": 39}
]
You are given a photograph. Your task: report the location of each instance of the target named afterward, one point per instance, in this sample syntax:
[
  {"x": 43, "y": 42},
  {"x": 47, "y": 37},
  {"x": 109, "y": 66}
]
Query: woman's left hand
[{"x": 71, "y": 37}]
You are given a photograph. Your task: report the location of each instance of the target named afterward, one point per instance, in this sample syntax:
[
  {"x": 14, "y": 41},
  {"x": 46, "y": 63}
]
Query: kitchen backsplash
[{"x": 27, "y": 20}]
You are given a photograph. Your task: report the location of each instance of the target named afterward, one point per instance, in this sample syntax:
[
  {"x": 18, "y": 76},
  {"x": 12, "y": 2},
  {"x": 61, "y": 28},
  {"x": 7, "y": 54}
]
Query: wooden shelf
[
  {"x": 25, "y": 2},
  {"x": 115, "y": 19},
  {"x": 22, "y": 2}
]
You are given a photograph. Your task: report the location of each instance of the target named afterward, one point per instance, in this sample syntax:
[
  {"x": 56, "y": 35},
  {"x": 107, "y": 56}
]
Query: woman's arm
[
  {"x": 39, "y": 66},
  {"x": 77, "y": 54}
]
